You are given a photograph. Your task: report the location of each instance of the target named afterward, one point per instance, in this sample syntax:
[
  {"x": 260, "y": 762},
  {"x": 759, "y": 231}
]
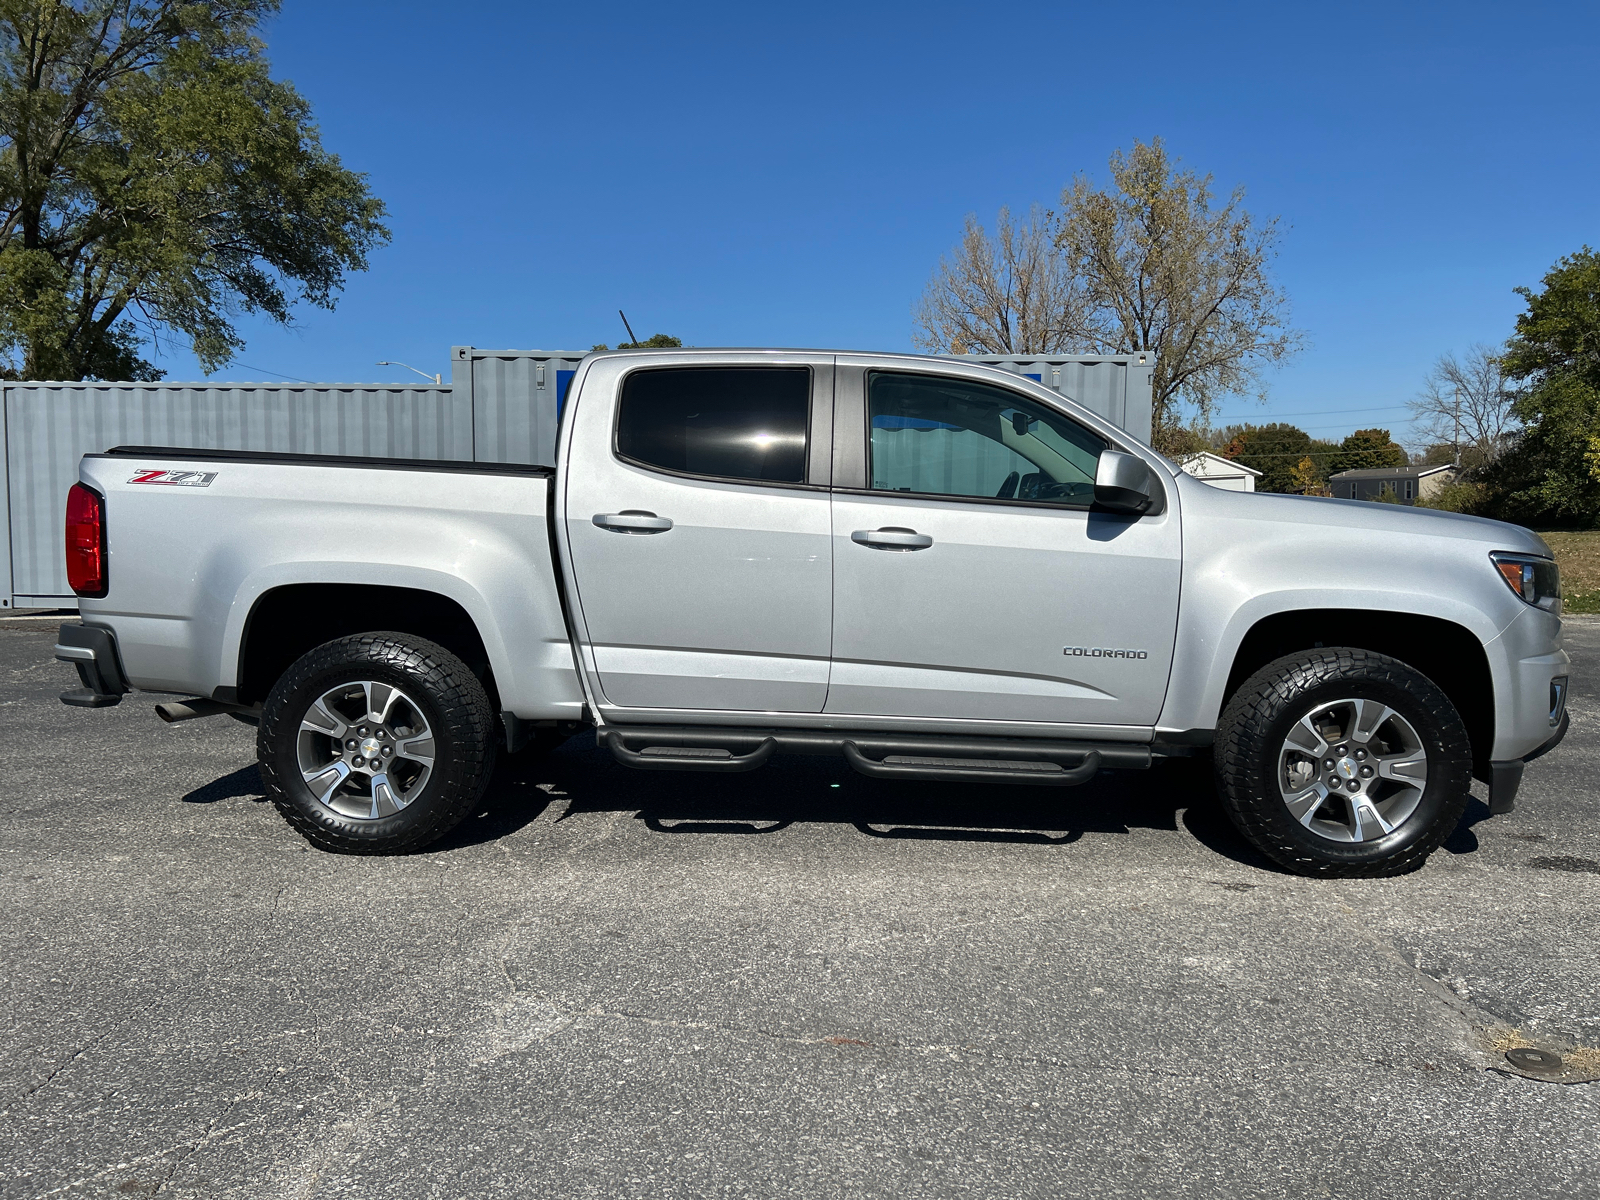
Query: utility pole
[{"x": 1458, "y": 427}]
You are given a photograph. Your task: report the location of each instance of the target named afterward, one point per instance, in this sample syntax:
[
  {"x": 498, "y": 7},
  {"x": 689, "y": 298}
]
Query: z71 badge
[{"x": 175, "y": 478}]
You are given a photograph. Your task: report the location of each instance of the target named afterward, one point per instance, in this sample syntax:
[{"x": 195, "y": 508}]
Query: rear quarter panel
[{"x": 188, "y": 564}]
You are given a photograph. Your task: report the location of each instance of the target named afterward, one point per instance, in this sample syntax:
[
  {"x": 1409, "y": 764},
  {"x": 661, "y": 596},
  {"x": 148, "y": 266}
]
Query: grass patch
[{"x": 1578, "y": 555}]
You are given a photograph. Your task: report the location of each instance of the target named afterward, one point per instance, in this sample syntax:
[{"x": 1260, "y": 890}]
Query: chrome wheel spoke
[
  {"x": 326, "y": 781},
  {"x": 385, "y": 800},
  {"x": 1304, "y": 805},
  {"x": 1409, "y": 769},
  {"x": 417, "y": 749},
  {"x": 1305, "y": 738},
  {"x": 1366, "y": 822},
  {"x": 380, "y": 699},
  {"x": 1370, "y": 714},
  {"x": 319, "y": 720}
]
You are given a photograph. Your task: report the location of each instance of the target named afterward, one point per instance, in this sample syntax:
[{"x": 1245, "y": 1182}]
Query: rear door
[
  {"x": 972, "y": 580},
  {"x": 696, "y": 509}
]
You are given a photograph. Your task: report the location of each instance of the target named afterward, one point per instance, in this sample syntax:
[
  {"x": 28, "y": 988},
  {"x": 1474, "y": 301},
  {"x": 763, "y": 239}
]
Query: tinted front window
[
  {"x": 952, "y": 437},
  {"x": 733, "y": 422}
]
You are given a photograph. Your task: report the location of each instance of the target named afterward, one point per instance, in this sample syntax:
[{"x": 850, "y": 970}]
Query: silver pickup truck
[{"x": 936, "y": 570}]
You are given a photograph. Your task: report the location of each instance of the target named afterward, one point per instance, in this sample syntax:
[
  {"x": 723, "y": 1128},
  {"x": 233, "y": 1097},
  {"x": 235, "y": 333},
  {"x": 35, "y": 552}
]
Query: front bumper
[
  {"x": 1506, "y": 777},
  {"x": 93, "y": 650}
]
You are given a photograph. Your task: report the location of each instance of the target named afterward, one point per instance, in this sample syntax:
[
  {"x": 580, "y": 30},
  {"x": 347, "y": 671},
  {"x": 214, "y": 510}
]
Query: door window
[
  {"x": 954, "y": 437},
  {"x": 747, "y": 423}
]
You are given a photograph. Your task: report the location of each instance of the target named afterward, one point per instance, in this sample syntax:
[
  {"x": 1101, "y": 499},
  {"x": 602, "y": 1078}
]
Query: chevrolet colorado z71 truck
[{"x": 935, "y": 569}]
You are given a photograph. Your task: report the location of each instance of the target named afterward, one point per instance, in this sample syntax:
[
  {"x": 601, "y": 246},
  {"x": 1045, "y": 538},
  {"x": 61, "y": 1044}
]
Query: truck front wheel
[
  {"x": 379, "y": 743},
  {"x": 1343, "y": 762}
]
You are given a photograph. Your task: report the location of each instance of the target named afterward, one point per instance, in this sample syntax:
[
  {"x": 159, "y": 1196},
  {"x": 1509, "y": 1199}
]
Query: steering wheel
[{"x": 1008, "y": 489}]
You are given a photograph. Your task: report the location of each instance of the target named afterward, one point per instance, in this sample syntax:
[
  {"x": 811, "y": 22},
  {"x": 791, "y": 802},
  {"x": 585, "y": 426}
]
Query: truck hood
[{"x": 1365, "y": 515}]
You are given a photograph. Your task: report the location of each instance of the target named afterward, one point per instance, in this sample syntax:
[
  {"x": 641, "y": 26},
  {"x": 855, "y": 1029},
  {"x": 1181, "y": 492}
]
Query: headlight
[{"x": 1536, "y": 580}]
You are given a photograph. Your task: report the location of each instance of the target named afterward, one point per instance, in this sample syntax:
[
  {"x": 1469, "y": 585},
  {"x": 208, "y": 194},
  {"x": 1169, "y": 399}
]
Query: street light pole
[{"x": 436, "y": 380}]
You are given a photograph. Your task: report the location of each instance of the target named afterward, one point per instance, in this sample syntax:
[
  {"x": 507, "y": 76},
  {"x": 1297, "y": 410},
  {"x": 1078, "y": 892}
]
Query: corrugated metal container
[
  {"x": 1115, "y": 386},
  {"x": 516, "y": 400},
  {"x": 48, "y": 427},
  {"x": 501, "y": 406}
]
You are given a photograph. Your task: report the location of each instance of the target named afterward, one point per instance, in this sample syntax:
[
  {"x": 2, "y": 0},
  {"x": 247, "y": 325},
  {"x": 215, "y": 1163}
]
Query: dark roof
[{"x": 1391, "y": 472}]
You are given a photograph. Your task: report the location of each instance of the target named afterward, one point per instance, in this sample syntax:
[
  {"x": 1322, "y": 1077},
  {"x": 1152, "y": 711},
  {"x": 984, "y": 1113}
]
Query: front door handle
[
  {"x": 892, "y": 538},
  {"x": 633, "y": 520}
]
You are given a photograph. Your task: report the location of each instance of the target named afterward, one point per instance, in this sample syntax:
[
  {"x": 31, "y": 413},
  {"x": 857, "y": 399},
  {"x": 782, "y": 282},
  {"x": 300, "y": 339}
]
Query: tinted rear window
[{"x": 731, "y": 422}]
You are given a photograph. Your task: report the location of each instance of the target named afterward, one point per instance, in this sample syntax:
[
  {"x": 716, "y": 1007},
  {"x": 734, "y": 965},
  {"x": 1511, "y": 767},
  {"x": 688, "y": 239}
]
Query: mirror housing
[{"x": 1122, "y": 483}]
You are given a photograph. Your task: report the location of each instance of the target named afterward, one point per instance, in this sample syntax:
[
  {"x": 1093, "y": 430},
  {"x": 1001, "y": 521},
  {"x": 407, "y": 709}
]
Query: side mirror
[{"x": 1122, "y": 482}]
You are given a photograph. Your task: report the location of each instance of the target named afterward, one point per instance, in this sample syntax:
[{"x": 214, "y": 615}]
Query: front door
[
  {"x": 699, "y": 544},
  {"x": 973, "y": 580}
]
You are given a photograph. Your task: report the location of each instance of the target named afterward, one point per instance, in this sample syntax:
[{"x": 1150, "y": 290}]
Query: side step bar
[
  {"x": 975, "y": 770},
  {"x": 882, "y": 756}
]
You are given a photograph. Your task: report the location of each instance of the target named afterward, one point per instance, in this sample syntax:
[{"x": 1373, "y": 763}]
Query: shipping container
[{"x": 499, "y": 406}]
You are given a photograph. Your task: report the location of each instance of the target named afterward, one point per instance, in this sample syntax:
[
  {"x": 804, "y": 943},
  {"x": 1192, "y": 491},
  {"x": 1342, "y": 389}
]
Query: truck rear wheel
[
  {"x": 379, "y": 743},
  {"x": 1343, "y": 763}
]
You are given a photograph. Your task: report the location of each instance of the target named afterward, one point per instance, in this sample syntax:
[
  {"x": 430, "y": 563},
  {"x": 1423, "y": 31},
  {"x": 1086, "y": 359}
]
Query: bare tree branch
[
  {"x": 1006, "y": 294},
  {"x": 1465, "y": 404}
]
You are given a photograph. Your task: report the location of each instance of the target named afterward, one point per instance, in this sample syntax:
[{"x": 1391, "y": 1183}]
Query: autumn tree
[
  {"x": 1153, "y": 262},
  {"x": 1308, "y": 479},
  {"x": 156, "y": 181},
  {"x": 1167, "y": 268}
]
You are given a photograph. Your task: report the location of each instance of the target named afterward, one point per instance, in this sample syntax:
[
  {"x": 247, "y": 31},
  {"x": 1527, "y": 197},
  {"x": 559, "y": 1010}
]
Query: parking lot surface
[{"x": 798, "y": 982}]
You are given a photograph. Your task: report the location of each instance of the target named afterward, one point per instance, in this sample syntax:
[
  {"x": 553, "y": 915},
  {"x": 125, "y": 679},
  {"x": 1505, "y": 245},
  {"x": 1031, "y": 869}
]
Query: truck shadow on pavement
[{"x": 580, "y": 778}]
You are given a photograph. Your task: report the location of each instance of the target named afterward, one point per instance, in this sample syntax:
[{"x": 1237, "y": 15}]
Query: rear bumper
[{"x": 92, "y": 649}]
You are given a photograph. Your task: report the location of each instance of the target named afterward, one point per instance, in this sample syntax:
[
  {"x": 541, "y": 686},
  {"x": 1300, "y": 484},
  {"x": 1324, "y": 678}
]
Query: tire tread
[
  {"x": 1262, "y": 698},
  {"x": 449, "y": 684}
]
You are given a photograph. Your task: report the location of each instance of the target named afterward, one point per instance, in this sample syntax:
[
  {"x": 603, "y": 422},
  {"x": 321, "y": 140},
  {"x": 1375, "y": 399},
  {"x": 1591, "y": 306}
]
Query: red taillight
[{"x": 86, "y": 541}]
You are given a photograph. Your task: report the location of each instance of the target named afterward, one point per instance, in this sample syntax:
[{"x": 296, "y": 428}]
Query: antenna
[{"x": 632, "y": 337}]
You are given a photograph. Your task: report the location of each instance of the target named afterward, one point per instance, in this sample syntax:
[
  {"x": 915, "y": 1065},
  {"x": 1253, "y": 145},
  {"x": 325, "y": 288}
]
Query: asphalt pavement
[{"x": 798, "y": 982}]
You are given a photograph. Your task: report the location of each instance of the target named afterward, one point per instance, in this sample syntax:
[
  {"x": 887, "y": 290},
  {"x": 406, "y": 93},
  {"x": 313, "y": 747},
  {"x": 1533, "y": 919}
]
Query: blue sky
[{"x": 790, "y": 175}]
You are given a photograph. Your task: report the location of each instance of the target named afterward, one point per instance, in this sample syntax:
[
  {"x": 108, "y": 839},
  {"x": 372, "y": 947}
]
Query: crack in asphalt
[{"x": 86, "y": 1047}]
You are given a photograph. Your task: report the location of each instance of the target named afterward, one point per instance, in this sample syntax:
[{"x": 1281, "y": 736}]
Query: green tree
[
  {"x": 1366, "y": 449},
  {"x": 1553, "y": 473},
  {"x": 156, "y": 181},
  {"x": 656, "y": 341},
  {"x": 1274, "y": 450}
]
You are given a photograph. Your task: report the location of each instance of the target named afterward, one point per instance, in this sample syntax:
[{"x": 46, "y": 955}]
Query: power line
[
  {"x": 264, "y": 371},
  {"x": 1332, "y": 412}
]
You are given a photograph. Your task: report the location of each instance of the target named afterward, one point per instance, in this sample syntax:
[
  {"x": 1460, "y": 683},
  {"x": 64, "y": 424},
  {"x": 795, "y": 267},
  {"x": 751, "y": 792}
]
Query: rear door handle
[
  {"x": 892, "y": 538},
  {"x": 633, "y": 520}
]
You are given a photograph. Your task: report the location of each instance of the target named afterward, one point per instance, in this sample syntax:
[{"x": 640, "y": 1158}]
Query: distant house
[
  {"x": 1221, "y": 472},
  {"x": 1409, "y": 484}
]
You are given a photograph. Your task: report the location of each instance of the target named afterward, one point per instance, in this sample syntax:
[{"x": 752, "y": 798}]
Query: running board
[
  {"x": 974, "y": 770},
  {"x": 881, "y": 756}
]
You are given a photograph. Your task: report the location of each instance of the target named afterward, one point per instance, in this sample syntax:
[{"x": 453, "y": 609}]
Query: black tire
[
  {"x": 1266, "y": 708},
  {"x": 439, "y": 686}
]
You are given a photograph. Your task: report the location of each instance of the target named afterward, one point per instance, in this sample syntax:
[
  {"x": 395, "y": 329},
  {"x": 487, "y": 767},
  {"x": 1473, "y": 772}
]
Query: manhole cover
[{"x": 1535, "y": 1062}]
